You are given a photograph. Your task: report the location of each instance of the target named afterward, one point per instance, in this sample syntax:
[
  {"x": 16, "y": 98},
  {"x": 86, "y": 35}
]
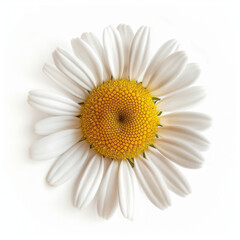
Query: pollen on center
[{"x": 119, "y": 119}]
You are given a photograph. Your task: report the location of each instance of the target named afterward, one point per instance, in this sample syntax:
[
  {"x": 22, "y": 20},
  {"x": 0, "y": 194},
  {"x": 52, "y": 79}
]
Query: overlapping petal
[
  {"x": 167, "y": 72},
  {"x": 87, "y": 55},
  {"x": 164, "y": 51},
  {"x": 96, "y": 45},
  {"x": 74, "y": 69},
  {"x": 173, "y": 177},
  {"x": 53, "y": 103},
  {"x": 108, "y": 193},
  {"x": 127, "y": 35},
  {"x": 68, "y": 164},
  {"x": 65, "y": 82},
  {"x": 55, "y": 144},
  {"x": 89, "y": 182},
  {"x": 139, "y": 52},
  {"x": 179, "y": 152},
  {"x": 152, "y": 182},
  {"x": 181, "y": 99},
  {"x": 113, "y": 48},
  {"x": 195, "y": 120},
  {"x": 187, "y": 78},
  {"x": 57, "y": 123},
  {"x": 186, "y": 135}
]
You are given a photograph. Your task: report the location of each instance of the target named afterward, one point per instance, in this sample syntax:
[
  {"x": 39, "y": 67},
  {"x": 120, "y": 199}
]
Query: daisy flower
[{"x": 120, "y": 120}]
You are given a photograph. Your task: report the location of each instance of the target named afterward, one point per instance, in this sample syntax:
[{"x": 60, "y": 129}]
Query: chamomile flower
[{"x": 121, "y": 120}]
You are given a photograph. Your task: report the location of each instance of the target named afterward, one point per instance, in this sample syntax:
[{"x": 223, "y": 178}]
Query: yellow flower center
[{"x": 119, "y": 119}]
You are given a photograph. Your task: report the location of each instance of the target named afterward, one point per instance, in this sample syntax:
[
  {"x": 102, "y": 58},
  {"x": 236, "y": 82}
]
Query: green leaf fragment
[
  {"x": 155, "y": 98},
  {"x": 131, "y": 161}
]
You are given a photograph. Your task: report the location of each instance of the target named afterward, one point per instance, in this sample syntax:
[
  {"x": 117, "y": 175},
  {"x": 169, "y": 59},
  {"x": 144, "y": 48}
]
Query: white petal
[
  {"x": 68, "y": 164},
  {"x": 95, "y": 44},
  {"x": 139, "y": 52},
  {"x": 127, "y": 35},
  {"x": 197, "y": 121},
  {"x": 55, "y": 144},
  {"x": 185, "y": 135},
  {"x": 87, "y": 55},
  {"x": 151, "y": 182},
  {"x": 173, "y": 177},
  {"x": 54, "y": 124},
  {"x": 188, "y": 77},
  {"x": 89, "y": 182},
  {"x": 65, "y": 82},
  {"x": 74, "y": 69},
  {"x": 164, "y": 51},
  {"x": 179, "y": 152},
  {"x": 181, "y": 99},
  {"x": 107, "y": 195},
  {"x": 166, "y": 72},
  {"x": 126, "y": 189},
  {"x": 53, "y": 103},
  {"x": 113, "y": 48}
]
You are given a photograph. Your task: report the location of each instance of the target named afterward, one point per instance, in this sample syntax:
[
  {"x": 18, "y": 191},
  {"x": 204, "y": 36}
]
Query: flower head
[{"x": 120, "y": 120}]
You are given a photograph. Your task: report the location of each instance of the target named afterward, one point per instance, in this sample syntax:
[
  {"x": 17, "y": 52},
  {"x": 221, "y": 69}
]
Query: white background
[{"x": 30, "y": 31}]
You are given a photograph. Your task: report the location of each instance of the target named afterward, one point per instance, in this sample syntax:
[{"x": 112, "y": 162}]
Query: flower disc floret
[{"x": 119, "y": 119}]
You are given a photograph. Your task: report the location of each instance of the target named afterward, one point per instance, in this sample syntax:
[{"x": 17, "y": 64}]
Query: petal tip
[{"x": 50, "y": 182}]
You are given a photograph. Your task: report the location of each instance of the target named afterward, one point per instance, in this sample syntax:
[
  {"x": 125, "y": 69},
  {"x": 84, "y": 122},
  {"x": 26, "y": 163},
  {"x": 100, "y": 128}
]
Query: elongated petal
[
  {"x": 74, "y": 69},
  {"x": 186, "y": 135},
  {"x": 54, "y": 124},
  {"x": 107, "y": 195},
  {"x": 55, "y": 144},
  {"x": 195, "y": 120},
  {"x": 179, "y": 152},
  {"x": 188, "y": 77},
  {"x": 152, "y": 182},
  {"x": 87, "y": 55},
  {"x": 173, "y": 177},
  {"x": 113, "y": 48},
  {"x": 53, "y": 103},
  {"x": 68, "y": 164},
  {"x": 139, "y": 52},
  {"x": 167, "y": 72},
  {"x": 181, "y": 99},
  {"x": 164, "y": 51},
  {"x": 127, "y": 35},
  {"x": 89, "y": 182},
  {"x": 96, "y": 45},
  {"x": 65, "y": 82},
  {"x": 126, "y": 189}
]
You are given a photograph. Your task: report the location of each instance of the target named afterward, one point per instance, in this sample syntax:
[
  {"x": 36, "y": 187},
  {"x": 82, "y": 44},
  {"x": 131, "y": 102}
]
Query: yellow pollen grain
[{"x": 119, "y": 119}]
